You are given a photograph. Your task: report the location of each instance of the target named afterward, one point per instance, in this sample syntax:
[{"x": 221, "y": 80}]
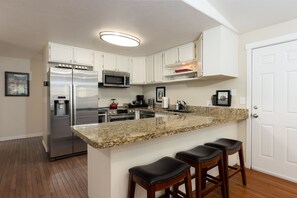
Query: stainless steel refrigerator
[{"x": 73, "y": 95}]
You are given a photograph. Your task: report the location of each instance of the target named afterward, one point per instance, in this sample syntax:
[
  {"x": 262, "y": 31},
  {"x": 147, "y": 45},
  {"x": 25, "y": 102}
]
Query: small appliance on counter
[
  {"x": 151, "y": 103},
  {"x": 113, "y": 105},
  {"x": 165, "y": 102},
  {"x": 139, "y": 102}
]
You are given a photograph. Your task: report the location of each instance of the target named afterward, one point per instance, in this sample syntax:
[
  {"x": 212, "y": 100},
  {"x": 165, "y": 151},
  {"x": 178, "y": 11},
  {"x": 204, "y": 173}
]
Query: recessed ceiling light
[{"x": 120, "y": 39}]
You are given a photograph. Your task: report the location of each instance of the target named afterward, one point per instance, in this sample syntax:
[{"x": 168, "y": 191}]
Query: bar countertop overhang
[{"x": 106, "y": 135}]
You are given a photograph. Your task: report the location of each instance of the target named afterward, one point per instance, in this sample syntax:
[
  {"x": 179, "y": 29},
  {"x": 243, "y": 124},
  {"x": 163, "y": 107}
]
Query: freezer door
[
  {"x": 85, "y": 103},
  {"x": 60, "y": 136}
]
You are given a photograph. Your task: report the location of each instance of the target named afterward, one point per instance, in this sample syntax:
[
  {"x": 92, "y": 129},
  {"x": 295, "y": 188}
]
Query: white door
[
  {"x": 274, "y": 100},
  {"x": 171, "y": 56},
  {"x": 138, "y": 70}
]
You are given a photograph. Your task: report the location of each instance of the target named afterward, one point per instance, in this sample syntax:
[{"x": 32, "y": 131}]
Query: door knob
[{"x": 255, "y": 115}]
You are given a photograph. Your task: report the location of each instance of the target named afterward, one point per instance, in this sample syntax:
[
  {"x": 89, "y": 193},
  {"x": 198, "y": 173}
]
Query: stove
[{"x": 119, "y": 114}]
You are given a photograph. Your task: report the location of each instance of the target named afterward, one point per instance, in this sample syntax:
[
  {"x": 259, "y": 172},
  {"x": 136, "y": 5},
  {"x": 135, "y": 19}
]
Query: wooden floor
[{"x": 26, "y": 172}]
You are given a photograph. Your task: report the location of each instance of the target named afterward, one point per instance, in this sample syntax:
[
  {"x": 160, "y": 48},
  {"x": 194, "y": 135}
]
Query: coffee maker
[{"x": 140, "y": 100}]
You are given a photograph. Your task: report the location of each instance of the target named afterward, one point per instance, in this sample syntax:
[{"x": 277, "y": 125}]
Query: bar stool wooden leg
[
  {"x": 226, "y": 168},
  {"x": 241, "y": 159},
  {"x": 188, "y": 184},
  {"x": 198, "y": 182},
  {"x": 151, "y": 192},
  {"x": 131, "y": 188},
  {"x": 221, "y": 168}
]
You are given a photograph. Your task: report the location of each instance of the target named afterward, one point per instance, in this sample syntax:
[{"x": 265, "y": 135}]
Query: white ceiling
[
  {"x": 249, "y": 15},
  {"x": 27, "y": 25}
]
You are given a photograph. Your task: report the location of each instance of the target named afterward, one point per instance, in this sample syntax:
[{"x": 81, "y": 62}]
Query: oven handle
[{"x": 116, "y": 117}]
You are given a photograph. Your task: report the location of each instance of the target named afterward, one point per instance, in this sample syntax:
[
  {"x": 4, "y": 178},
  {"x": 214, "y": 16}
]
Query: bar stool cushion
[
  {"x": 160, "y": 171},
  {"x": 225, "y": 144},
  {"x": 199, "y": 154}
]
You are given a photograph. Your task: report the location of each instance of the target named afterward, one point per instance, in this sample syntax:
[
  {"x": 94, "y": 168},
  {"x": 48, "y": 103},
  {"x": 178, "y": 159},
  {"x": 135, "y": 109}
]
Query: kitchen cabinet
[
  {"x": 83, "y": 56},
  {"x": 138, "y": 70},
  {"x": 123, "y": 63},
  {"x": 217, "y": 50},
  {"x": 60, "y": 53},
  {"x": 158, "y": 67},
  {"x": 150, "y": 69},
  {"x": 180, "y": 54},
  {"x": 116, "y": 62},
  {"x": 67, "y": 54},
  {"x": 99, "y": 64},
  {"x": 109, "y": 61}
]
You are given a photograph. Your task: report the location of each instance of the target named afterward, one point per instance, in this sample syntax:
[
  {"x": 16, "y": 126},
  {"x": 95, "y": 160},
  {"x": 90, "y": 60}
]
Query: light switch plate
[{"x": 242, "y": 100}]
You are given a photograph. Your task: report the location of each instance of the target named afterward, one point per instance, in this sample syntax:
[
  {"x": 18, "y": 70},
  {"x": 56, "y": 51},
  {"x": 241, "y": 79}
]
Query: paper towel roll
[{"x": 165, "y": 102}]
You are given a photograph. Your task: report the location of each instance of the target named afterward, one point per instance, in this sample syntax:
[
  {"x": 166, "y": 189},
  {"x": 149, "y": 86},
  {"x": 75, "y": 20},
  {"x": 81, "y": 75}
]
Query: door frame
[{"x": 249, "y": 50}]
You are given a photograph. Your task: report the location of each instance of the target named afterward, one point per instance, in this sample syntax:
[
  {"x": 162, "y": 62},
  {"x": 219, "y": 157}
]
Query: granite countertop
[{"x": 105, "y": 135}]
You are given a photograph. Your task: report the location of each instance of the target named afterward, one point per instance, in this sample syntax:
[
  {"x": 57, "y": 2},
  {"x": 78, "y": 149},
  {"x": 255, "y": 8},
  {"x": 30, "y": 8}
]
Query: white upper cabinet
[
  {"x": 83, "y": 56},
  {"x": 123, "y": 63},
  {"x": 60, "y": 53},
  {"x": 138, "y": 74},
  {"x": 171, "y": 56},
  {"x": 158, "y": 67},
  {"x": 99, "y": 64},
  {"x": 150, "y": 69},
  {"x": 220, "y": 52},
  {"x": 186, "y": 52},
  {"x": 109, "y": 61},
  {"x": 116, "y": 62},
  {"x": 67, "y": 54},
  {"x": 180, "y": 54}
]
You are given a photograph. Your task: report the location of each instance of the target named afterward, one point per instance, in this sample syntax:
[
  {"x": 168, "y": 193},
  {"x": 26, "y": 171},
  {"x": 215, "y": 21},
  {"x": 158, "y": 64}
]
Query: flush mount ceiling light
[{"x": 120, "y": 39}]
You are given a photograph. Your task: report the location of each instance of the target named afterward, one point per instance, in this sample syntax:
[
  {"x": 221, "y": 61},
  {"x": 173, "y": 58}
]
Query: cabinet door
[
  {"x": 171, "y": 56},
  {"x": 109, "y": 61},
  {"x": 99, "y": 64},
  {"x": 150, "y": 69},
  {"x": 83, "y": 56},
  {"x": 186, "y": 52},
  {"x": 123, "y": 63},
  {"x": 158, "y": 67},
  {"x": 138, "y": 75},
  {"x": 60, "y": 53}
]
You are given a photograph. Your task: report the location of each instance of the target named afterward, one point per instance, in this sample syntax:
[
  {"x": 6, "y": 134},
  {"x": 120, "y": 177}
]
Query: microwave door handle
[{"x": 70, "y": 105}]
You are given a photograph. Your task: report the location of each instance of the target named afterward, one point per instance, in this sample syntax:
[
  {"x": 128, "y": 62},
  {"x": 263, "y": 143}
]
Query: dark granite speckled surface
[{"x": 105, "y": 135}]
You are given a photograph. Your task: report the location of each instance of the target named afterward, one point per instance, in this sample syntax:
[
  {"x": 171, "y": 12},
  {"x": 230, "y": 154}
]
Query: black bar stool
[
  {"x": 204, "y": 158},
  {"x": 160, "y": 175},
  {"x": 230, "y": 147}
]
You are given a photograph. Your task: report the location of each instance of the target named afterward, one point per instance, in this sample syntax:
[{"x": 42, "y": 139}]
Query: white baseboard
[
  {"x": 20, "y": 136},
  {"x": 44, "y": 146},
  {"x": 275, "y": 174}
]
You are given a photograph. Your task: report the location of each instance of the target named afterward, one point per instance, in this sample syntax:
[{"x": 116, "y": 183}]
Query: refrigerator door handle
[
  {"x": 74, "y": 104},
  {"x": 70, "y": 105}
]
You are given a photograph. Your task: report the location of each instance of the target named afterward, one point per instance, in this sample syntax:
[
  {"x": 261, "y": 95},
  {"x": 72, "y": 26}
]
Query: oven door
[{"x": 121, "y": 117}]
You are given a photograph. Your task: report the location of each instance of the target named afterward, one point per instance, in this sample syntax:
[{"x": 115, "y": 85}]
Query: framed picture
[
  {"x": 223, "y": 98},
  {"x": 16, "y": 84},
  {"x": 160, "y": 92}
]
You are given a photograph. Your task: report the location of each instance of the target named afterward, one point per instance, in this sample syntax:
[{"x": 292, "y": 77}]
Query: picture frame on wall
[
  {"x": 223, "y": 98},
  {"x": 160, "y": 92},
  {"x": 17, "y": 84}
]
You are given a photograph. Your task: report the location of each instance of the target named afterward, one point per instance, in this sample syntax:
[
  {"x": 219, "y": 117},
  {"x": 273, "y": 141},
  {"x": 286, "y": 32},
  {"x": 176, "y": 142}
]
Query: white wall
[
  {"x": 122, "y": 95},
  {"x": 21, "y": 116}
]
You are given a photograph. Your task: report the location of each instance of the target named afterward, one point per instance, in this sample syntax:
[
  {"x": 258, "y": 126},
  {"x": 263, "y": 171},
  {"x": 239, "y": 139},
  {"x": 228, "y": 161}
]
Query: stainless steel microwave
[{"x": 115, "y": 79}]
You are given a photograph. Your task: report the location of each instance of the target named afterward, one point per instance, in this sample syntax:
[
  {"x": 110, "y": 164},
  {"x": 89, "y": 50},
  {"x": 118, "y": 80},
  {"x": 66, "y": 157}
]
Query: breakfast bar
[{"x": 115, "y": 147}]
